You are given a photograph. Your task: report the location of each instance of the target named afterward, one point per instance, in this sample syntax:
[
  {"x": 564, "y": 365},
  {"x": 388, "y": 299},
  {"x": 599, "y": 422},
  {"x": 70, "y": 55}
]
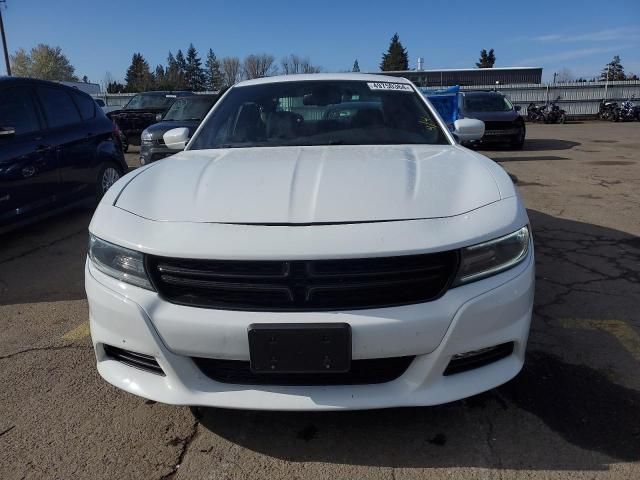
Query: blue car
[{"x": 57, "y": 149}]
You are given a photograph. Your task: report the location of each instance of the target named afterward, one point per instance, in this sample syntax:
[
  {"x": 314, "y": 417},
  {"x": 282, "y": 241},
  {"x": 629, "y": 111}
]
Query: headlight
[
  {"x": 118, "y": 262},
  {"x": 146, "y": 136},
  {"x": 488, "y": 258}
]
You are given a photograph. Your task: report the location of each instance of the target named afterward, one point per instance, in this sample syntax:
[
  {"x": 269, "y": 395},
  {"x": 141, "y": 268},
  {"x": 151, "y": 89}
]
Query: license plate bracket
[{"x": 300, "y": 348}]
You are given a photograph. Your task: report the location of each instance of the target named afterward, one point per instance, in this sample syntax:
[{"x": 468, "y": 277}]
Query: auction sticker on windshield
[{"x": 403, "y": 87}]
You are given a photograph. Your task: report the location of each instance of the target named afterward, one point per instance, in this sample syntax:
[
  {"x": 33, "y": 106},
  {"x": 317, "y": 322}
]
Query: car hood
[
  {"x": 312, "y": 185},
  {"x": 493, "y": 116},
  {"x": 158, "y": 129}
]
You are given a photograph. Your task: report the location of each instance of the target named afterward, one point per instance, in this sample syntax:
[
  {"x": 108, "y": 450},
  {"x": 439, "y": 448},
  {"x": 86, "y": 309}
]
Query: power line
[{"x": 4, "y": 40}]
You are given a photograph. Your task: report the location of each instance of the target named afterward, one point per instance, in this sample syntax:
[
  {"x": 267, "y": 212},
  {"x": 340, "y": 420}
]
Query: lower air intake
[
  {"x": 133, "y": 359},
  {"x": 478, "y": 358}
]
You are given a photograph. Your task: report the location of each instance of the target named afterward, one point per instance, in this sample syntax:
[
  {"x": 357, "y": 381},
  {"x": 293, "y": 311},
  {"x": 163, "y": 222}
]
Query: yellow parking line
[
  {"x": 620, "y": 329},
  {"x": 78, "y": 333}
]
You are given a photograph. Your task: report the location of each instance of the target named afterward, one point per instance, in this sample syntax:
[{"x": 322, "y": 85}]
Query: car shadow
[
  {"x": 44, "y": 261},
  {"x": 574, "y": 406},
  {"x": 532, "y": 145}
]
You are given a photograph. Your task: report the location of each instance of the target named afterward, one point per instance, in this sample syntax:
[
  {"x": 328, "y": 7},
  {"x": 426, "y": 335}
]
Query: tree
[
  {"x": 193, "y": 72},
  {"x": 487, "y": 59},
  {"x": 174, "y": 79},
  {"x": 43, "y": 62},
  {"x": 213, "y": 75},
  {"x": 564, "y": 75},
  {"x": 85, "y": 79},
  {"x": 295, "y": 64},
  {"x": 138, "y": 77},
  {"x": 613, "y": 70},
  {"x": 258, "y": 66},
  {"x": 396, "y": 57},
  {"x": 356, "y": 67},
  {"x": 115, "y": 87},
  {"x": 159, "y": 77},
  {"x": 231, "y": 71}
]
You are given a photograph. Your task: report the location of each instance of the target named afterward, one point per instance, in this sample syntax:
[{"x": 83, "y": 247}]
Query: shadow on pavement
[
  {"x": 570, "y": 408},
  {"x": 533, "y": 145}
]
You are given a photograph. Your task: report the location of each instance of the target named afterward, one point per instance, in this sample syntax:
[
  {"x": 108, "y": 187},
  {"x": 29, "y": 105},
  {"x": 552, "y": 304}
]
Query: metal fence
[{"x": 579, "y": 99}]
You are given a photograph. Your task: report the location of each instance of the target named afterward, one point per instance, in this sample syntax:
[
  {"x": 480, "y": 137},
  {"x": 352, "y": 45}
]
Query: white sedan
[{"x": 321, "y": 243}]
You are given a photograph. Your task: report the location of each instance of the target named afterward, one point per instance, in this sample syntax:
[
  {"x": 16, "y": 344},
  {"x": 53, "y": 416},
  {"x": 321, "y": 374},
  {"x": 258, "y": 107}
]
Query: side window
[
  {"x": 59, "y": 109},
  {"x": 86, "y": 105},
  {"x": 17, "y": 110}
]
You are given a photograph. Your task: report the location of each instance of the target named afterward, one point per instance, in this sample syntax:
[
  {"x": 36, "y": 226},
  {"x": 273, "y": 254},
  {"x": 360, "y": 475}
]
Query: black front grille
[
  {"x": 303, "y": 285},
  {"x": 133, "y": 359},
  {"x": 493, "y": 125},
  {"x": 362, "y": 372}
]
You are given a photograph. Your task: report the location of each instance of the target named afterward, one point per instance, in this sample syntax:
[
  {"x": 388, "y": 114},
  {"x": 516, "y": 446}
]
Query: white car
[{"x": 322, "y": 243}]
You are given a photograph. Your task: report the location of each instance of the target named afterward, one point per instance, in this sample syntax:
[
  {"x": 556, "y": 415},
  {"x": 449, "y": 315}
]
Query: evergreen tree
[
  {"x": 613, "y": 70},
  {"x": 396, "y": 57},
  {"x": 160, "y": 78},
  {"x": 138, "y": 77},
  {"x": 181, "y": 67},
  {"x": 193, "y": 73},
  {"x": 213, "y": 74},
  {"x": 487, "y": 60},
  {"x": 356, "y": 67},
  {"x": 172, "y": 76}
]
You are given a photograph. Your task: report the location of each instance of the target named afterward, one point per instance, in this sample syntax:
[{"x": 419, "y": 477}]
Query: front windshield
[
  {"x": 487, "y": 103},
  {"x": 140, "y": 102},
  {"x": 320, "y": 113},
  {"x": 192, "y": 108}
]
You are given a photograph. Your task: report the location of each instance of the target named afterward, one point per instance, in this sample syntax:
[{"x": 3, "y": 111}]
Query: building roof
[{"x": 495, "y": 69}]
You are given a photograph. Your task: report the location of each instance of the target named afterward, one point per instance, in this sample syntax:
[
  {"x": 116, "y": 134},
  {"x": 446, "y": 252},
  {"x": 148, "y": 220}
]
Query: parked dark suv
[
  {"x": 502, "y": 120},
  {"x": 57, "y": 148},
  {"x": 185, "y": 112},
  {"x": 143, "y": 110}
]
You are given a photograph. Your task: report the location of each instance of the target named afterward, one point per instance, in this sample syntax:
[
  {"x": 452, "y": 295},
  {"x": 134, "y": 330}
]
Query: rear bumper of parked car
[{"x": 494, "y": 312}]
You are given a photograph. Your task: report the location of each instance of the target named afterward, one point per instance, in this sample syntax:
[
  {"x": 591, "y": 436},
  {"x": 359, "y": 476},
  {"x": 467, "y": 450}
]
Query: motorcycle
[
  {"x": 627, "y": 111},
  {"x": 555, "y": 114},
  {"x": 536, "y": 113},
  {"x": 608, "y": 111}
]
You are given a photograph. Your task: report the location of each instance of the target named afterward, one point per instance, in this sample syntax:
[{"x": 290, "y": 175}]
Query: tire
[
  {"x": 108, "y": 174},
  {"x": 125, "y": 143},
  {"x": 518, "y": 140}
]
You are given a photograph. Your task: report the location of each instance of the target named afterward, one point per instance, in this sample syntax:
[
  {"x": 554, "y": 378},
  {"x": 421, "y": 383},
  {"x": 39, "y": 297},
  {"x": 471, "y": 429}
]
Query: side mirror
[
  {"x": 517, "y": 108},
  {"x": 158, "y": 117},
  {"x": 468, "y": 129},
  {"x": 7, "y": 131},
  {"x": 176, "y": 138}
]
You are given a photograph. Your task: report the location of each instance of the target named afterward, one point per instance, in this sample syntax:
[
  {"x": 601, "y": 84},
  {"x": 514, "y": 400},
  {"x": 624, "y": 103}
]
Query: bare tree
[
  {"x": 259, "y": 65},
  {"x": 564, "y": 75},
  {"x": 296, "y": 64},
  {"x": 231, "y": 71}
]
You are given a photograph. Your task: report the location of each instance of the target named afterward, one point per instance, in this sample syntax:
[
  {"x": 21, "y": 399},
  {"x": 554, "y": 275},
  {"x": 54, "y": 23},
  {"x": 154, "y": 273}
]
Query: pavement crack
[
  {"x": 7, "y": 430},
  {"x": 42, "y": 247},
  {"x": 44, "y": 349},
  {"x": 184, "y": 447}
]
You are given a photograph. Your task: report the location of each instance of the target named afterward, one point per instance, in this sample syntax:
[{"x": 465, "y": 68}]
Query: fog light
[{"x": 462, "y": 362}]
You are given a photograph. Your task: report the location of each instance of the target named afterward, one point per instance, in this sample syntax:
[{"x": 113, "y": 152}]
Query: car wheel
[
  {"x": 518, "y": 140},
  {"x": 108, "y": 175},
  {"x": 125, "y": 143}
]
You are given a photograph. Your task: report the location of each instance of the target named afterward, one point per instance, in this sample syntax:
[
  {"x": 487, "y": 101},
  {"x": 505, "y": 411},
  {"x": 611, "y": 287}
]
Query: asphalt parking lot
[{"x": 573, "y": 412}]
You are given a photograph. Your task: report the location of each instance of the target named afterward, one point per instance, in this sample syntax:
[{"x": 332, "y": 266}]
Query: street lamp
[{"x": 4, "y": 40}]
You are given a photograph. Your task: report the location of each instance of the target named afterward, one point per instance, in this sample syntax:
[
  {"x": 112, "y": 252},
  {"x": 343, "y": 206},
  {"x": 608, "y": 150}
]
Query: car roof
[
  {"x": 360, "y": 77},
  {"x": 159, "y": 93},
  {"x": 482, "y": 93},
  {"x": 8, "y": 81}
]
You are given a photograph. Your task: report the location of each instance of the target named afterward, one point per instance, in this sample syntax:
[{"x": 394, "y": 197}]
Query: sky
[{"x": 100, "y": 37}]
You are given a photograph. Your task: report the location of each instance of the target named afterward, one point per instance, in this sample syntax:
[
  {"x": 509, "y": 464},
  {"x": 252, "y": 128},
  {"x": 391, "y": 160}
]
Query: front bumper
[
  {"x": 152, "y": 152},
  {"x": 482, "y": 314}
]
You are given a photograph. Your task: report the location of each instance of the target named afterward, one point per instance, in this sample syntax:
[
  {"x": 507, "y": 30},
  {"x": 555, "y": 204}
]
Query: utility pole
[{"x": 4, "y": 40}]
